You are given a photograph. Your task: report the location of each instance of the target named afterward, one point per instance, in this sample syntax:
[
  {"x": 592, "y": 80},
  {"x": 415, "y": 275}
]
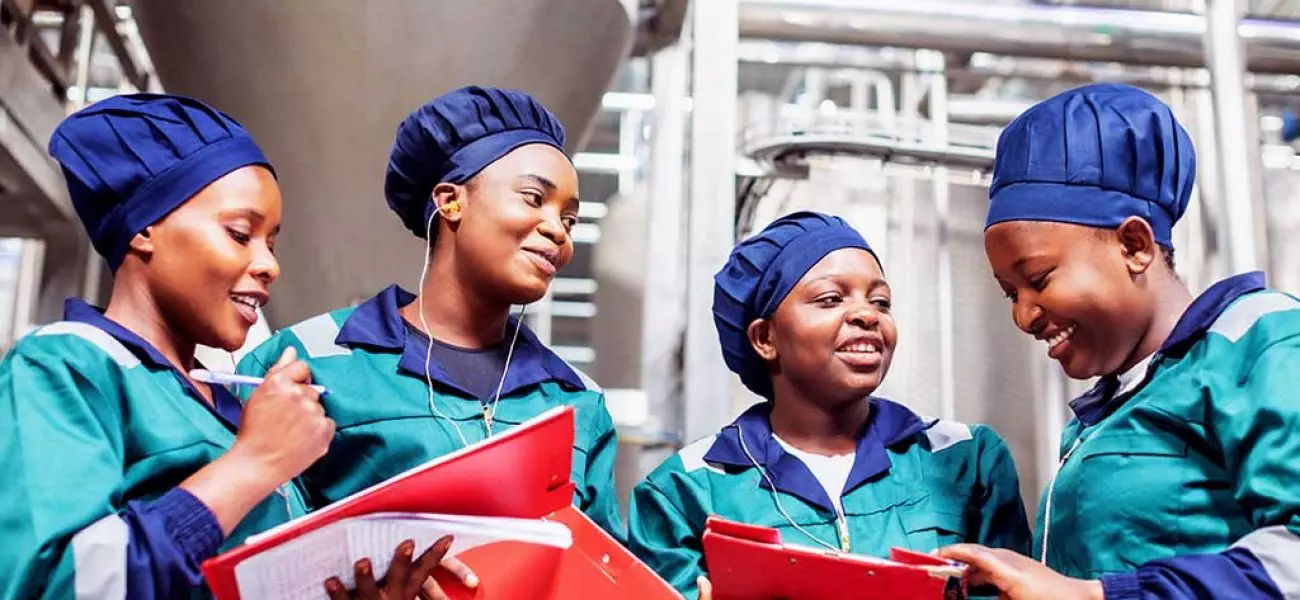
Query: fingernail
[
  {"x": 333, "y": 585},
  {"x": 444, "y": 543},
  {"x": 407, "y": 548},
  {"x": 363, "y": 565},
  {"x": 472, "y": 580}
]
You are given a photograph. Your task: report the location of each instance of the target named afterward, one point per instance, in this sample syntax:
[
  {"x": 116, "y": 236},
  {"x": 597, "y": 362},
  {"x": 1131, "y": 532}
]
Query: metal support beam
[
  {"x": 48, "y": 65},
  {"x": 663, "y": 309},
  {"x": 711, "y": 209},
  {"x": 903, "y": 273},
  {"x": 69, "y": 36},
  {"x": 21, "y": 12},
  {"x": 940, "y": 187},
  {"x": 106, "y": 21},
  {"x": 85, "y": 56},
  {"x": 36, "y": 201},
  {"x": 1238, "y": 153}
]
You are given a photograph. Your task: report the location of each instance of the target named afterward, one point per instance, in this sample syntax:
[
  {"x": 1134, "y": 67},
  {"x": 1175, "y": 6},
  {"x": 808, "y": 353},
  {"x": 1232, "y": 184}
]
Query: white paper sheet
[{"x": 297, "y": 570}]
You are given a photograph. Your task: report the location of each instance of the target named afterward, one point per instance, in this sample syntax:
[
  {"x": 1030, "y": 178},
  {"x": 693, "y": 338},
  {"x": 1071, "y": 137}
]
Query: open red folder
[
  {"x": 749, "y": 562},
  {"x": 523, "y": 473}
]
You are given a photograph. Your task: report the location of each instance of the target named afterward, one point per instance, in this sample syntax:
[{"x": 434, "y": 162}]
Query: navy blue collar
[
  {"x": 1199, "y": 317},
  {"x": 1207, "y": 308},
  {"x": 377, "y": 325},
  {"x": 888, "y": 425},
  {"x": 227, "y": 406}
]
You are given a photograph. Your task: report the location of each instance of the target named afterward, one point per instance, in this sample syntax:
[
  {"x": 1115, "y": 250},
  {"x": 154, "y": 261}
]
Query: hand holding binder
[
  {"x": 749, "y": 562},
  {"x": 405, "y": 577},
  {"x": 505, "y": 489}
]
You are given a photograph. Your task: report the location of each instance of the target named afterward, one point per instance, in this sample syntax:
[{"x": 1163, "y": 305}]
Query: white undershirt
[
  {"x": 1130, "y": 379},
  {"x": 831, "y": 471}
]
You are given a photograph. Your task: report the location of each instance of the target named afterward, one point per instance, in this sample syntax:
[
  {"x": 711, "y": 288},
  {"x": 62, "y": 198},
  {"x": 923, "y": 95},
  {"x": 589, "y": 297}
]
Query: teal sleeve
[
  {"x": 663, "y": 538},
  {"x": 258, "y": 362},
  {"x": 600, "y": 501},
  {"x": 1002, "y": 520},
  {"x": 62, "y": 451},
  {"x": 1256, "y": 419}
]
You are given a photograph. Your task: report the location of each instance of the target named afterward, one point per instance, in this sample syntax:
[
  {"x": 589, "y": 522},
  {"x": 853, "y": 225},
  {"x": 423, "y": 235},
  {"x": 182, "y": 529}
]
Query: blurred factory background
[{"x": 693, "y": 124}]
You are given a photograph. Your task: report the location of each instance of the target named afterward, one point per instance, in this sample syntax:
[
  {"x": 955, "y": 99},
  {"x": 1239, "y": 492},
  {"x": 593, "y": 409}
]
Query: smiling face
[
  {"x": 209, "y": 264},
  {"x": 833, "y": 336},
  {"x": 1076, "y": 288},
  {"x": 512, "y": 231}
]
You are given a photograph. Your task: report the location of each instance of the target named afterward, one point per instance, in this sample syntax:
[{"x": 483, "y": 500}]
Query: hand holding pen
[
  {"x": 282, "y": 431},
  {"x": 235, "y": 379}
]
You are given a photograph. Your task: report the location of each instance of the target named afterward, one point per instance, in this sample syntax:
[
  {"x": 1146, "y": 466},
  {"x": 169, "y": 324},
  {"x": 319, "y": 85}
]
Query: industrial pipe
[{"x": 1063, "y": 32}]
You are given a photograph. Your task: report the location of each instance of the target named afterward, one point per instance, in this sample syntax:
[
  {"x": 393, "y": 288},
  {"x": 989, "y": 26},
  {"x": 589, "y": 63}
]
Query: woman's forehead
[
  {"x": 1021, "y": 237},
  {"x": 844, "y": 262}
]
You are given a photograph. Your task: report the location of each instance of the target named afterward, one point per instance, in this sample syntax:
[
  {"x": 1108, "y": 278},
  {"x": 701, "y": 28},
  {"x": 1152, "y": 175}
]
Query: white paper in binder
[{"x": 298, "y": 569}]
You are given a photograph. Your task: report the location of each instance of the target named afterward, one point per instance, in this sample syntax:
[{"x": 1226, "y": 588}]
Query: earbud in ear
[{"x": 451, "y": 208}]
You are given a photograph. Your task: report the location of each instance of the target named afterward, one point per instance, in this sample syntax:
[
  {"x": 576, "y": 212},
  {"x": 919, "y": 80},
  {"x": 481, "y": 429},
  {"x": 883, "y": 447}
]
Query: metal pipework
[
  {"x": 984, "y": 66},
  {"x": 1064, "y": 32}
]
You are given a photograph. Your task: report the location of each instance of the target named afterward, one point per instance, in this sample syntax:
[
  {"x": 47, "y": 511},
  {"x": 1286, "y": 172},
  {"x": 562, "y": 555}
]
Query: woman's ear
[
  {"x": 142, "y": 243},
  {"x": 1139, "y": 244},
  {"x": 761, "y": 339},
  {"x": 448, "y": 200}
]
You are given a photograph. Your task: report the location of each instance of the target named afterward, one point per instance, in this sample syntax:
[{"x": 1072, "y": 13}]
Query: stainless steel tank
[{"x": 322, "y": 85}]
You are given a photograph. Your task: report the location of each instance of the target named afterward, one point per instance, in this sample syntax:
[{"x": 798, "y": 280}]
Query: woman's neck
[
  {"x": 134, "y": 308},
  {"x": 821, "y": 428},
  {"x": 455, "y": 314},
  {"x": 1172, "y": 300}
]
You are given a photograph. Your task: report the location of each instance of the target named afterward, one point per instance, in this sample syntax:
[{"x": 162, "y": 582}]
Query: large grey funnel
[{"x": 322, "y": 84}]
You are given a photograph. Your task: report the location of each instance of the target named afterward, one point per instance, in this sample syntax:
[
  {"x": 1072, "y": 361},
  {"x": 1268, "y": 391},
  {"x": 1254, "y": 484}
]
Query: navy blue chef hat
[
  {"x": 760, "y": 273},
  {"x": 130, "y": 160},
  {"x": 1094, "y": 156},
  {"x": 453, "y": 137}
]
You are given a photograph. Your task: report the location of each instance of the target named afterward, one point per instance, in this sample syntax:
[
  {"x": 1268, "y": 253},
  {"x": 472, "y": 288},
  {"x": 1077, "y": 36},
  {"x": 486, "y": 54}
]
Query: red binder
[
  {"x": 749, "y": 562},
  {"x": 523, "y": 473}
]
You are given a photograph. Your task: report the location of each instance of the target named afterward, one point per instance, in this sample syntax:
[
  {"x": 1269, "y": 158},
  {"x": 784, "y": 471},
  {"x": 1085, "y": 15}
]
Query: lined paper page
[{"x": 297, "y": 570}]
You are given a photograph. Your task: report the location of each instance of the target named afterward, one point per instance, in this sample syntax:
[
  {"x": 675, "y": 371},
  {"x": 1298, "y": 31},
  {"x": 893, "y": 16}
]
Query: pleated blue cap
[
  {"x": 1094, "y": 156},
  {"x": 760, "y": 273},
  {"x": 130, "y": 160},
  {"x": 456, "y": 135}
]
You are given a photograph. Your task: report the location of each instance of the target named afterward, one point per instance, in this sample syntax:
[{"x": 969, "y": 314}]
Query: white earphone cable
[
  {"x": 424, "y": 325},
  {"x": 771, "y": 487}
]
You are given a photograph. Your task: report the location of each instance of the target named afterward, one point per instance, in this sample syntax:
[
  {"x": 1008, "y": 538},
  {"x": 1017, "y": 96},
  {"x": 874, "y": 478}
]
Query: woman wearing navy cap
[
  {"x": 804, "y": 317},
  {"x": 122, "y": 473},
  {"x": 481, "y": 175},
  {"x": 1180, "y": 471}
]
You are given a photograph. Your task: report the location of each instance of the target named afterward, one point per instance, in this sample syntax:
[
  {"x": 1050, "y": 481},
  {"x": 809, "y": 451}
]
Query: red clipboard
[
  {"x": 749, "y": 562},
  {"x": 522, "y": 473},
  {"x": 596, "y": 566}
]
